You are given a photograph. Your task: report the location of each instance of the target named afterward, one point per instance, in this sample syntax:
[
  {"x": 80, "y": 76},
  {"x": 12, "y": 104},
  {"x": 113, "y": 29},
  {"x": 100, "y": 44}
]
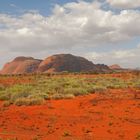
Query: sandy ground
[{"x": 91, "y": 117}]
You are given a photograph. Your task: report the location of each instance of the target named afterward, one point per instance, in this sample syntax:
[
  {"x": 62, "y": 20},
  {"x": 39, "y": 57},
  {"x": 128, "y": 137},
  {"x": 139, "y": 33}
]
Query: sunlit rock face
[{"x": 21, "y": 65}]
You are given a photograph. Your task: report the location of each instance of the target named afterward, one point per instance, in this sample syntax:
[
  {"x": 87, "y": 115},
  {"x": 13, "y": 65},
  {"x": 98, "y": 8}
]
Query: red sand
[
  {"x": 90, "y": 117},
  {"x": 8, "y": 81}
]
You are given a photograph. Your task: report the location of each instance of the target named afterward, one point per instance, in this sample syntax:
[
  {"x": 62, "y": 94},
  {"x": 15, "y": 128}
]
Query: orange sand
[{"x": 90, "y": 117}]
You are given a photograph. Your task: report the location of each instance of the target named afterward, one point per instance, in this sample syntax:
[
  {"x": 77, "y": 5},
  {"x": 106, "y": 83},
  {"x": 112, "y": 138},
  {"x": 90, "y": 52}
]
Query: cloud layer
[
  {"x": 126, "y": 58},
  {"x": 71, "y": 26},
  {"x": 124, "y": 4}
]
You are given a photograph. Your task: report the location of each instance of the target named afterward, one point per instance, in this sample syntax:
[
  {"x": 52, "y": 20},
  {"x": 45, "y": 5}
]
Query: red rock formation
[
  {"x": 55, "y": 63},
  {"x": 115, "y": 67},
  {"x": 21, "y": 65},
  {"x": 66, "y": 62}
]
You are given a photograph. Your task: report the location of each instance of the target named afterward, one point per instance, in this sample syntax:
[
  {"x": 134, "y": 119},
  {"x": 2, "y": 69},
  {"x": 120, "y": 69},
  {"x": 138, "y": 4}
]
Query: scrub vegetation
[{"x": 39, "y": 88}]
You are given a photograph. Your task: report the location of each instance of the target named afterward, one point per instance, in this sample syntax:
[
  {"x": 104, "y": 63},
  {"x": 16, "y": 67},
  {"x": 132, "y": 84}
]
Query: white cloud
[
  {"x": 124, "y": 4},
  {"x": 12, "y": 5},
  {"x": 126, "y": 58},
  {"x": 123, "y": 54},
  {"x": 24, "y": 31},
  {"x": 73, "y": 25},
  {"x": 138, "y": 46}
]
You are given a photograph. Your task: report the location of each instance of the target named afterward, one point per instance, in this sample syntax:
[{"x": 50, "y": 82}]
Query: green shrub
[
  {"x": 27, "y": 101},
  {"x": 62, "y": 96},
  {"x": 55, "y": 86},
  {"x": 19, "y": 95},
  {"x": 57, "y": 96},
  {"x": 5, "y": 96},
  {"x": 69, "y": 96},
  {"x": 7, "y": 103},
  {"x": 2, "y": 87}
]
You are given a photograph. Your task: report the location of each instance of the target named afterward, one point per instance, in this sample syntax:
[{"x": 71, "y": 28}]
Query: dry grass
[{"x": 44, "y": 87}]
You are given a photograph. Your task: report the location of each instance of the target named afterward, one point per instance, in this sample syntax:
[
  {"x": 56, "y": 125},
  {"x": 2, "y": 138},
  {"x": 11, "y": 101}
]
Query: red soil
[
  {"x": 9, "y": 81},
  {"x": 90, "y": 117}
]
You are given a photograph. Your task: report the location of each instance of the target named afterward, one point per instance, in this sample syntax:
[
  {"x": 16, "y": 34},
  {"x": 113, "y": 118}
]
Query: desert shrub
[
  {"x": 80, "y": 91},
  {"x": 112, "y": 83},
  {"x": 57, "y": 96},
  {"x": 74, "y": 91},
  {"x": 116, "y": 86},
  {"x": 62, "y": 96},
  {"x": 7, "y": 103},
  {"x": 5, "y": 96},
  {"x": 28, "y": 101},
  {"x": 137, "y": 86},
  {"x": 69, "y": 96},
  {"x": 136, "y": 83},
  {"x": 55, "y": 86},
  {"x": 2, "y": 87},
  {"x": 16, "y": 96},
  {"x": 39, "y": 95},
  {"x": 99, "y": 89}
]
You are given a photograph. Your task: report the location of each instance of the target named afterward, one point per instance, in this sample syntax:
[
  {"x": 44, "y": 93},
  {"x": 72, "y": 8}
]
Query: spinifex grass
[{"x": 45, "y": 87}]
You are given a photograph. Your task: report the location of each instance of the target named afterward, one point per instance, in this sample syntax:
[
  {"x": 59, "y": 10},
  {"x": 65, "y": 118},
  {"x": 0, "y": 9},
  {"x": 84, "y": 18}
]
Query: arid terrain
[
  {"x": 112, "y": 114},
  {"x": 69, "y": 69}
]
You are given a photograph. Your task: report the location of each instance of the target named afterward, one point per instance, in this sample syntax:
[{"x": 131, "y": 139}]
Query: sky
[{"x": 103, "y": 31}]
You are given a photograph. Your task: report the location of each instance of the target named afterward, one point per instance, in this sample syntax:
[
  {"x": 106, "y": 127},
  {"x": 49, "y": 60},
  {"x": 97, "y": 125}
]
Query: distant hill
[
  {"x": 115, "y": 67},
  {"x": 21, "y": 65},
  {"x": 54, "y": 63},
  {"x": 138, "y": 68}
]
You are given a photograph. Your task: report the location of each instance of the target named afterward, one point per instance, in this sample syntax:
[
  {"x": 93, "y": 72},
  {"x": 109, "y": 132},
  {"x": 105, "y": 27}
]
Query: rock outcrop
[
  {"x": 21, "y": 65},
  {"x": 54, "y": 63},
  {"x": 115, "y": 67},
  {"x": 66, "y": 62}
]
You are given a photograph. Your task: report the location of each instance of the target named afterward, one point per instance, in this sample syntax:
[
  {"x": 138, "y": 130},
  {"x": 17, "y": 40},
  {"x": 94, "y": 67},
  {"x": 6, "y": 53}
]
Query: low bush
[
  {"x": 28, "y": 101},
  {"x": 54, "y": 86},
  {"x": 5, "y": 96},
  {"x": 7, "y": 103}
]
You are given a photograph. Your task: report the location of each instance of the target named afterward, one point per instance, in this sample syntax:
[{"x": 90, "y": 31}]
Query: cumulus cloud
[
  {"x": 126, "y": 58},
  {"x": 124, "y": 4},
  {"x": 72, "y": 25}
]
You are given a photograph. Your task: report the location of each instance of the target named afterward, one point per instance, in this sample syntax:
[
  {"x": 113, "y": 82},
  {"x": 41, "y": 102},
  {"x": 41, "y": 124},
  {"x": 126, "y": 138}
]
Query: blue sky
[
  {"x": 104, "y": 31},
  {"x": 19, "y": 6}
]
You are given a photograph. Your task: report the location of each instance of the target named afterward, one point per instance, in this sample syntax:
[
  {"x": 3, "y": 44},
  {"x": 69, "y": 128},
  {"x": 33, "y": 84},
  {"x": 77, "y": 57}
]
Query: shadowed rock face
[
  {"x": 65, "y": 62},
  {"x": 21, "y": 65},
  {"x": 68, "y": 62},
  {"x": 55, "y": 63},
  {"x": 103, "y": 68}
]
